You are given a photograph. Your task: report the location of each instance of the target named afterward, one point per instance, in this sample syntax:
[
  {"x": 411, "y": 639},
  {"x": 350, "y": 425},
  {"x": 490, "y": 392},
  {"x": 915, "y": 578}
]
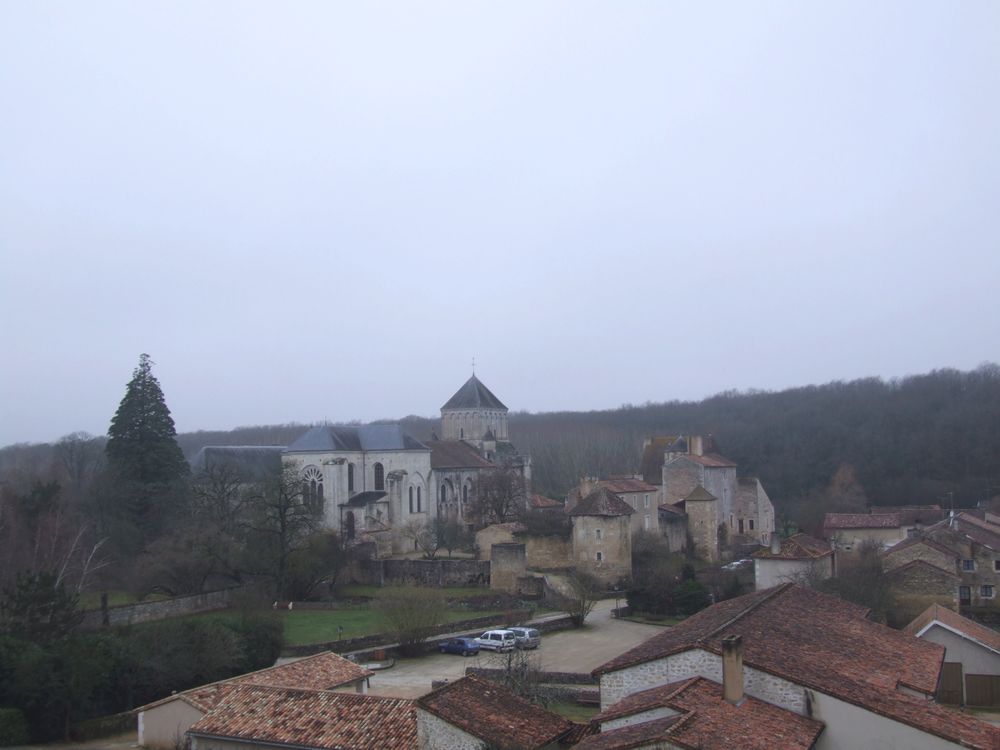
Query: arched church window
[
  {"x": 465, "y": 494},
  {"x": 379, "y": 477},
  {"x": 312, "y": 487},
  {"x": 411, "y": 499},
  {"x": 418, "y": 497},
  {"x": 350, "y": 477}
]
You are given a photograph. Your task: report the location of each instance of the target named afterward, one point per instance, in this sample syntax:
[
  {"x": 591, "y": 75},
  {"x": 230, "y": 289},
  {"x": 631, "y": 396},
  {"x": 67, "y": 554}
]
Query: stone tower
[{"x": 474, "y": 415}]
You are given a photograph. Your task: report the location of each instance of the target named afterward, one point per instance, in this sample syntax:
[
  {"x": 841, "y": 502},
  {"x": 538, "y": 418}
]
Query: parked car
[
  {"x": 497, "y": 640},
  {"x": 526, "y": 637},
  {"x": 463, "y": 646}
]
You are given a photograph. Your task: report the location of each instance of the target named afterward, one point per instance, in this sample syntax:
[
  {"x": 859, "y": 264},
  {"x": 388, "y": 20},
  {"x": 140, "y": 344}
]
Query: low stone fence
[
  {"x": 130, "y": 614},
  {"x": 439, "y": 572},
  {"x": 550, "y": 678}
]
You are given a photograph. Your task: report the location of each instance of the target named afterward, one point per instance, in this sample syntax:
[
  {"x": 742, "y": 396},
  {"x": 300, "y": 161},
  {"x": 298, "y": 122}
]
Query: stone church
[{"x": 372, "y": 481}]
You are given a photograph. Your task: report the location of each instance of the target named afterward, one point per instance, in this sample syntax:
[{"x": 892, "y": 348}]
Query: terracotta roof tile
[
  {"x": 542, "y": 502},
  {"x": 796, "y": 547},
  {"x": 861, "y": 521},
  {"x": 602, "y": 502},
  {"x": 619, "y": 485},
  {"x": 709, "y": 460},
  {"x": 705, "y": 720},
  {"x": 910, "y": 515},
  {"x": 826, "y": 644},
  {"x": 494, "y": 714},
  {"x": 700, "y": 493},
  {"x": 919, "y": 540},
  {"x": 953, "y": 621},
  {"x": 455, "y": 454},
  {"x": 323, "y": 671},
  {"x": 311, "y": 719}
]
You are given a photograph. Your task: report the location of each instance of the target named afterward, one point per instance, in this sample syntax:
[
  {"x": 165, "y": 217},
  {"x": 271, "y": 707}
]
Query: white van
[
  {"x": 527, "y": 637},
  {"x": 497, "y": 640}
]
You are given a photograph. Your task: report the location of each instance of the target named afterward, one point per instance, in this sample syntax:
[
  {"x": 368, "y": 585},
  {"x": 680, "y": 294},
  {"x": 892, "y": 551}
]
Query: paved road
[{"x": 581, "y": 650}]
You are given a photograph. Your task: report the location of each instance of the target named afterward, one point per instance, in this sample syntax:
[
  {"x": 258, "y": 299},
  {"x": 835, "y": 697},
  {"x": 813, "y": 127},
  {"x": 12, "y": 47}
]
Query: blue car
[{"x": 463, "y": 646}]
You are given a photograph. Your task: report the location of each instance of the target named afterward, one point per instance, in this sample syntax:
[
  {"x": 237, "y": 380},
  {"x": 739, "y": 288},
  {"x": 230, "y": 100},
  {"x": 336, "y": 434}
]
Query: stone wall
[
  {"x": 916, "y": 587},
  {"x": 606, "y": 537},
  {"x": 508, "y": 563},
  {"x": 443, "y": 572},
  {"x": 131, "y": 614},
  {"x": 680, "y": 477},
  {"x": 547, "y": 551},
  {"x": 900, "y": 555},
  {"x": 436, "y": 734}
]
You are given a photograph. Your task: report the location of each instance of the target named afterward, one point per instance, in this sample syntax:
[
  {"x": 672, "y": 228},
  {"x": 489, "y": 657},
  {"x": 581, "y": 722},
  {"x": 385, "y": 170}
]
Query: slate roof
[
  {"x": 861, "y": 521},
  {"x": 455, "y": 454},
  {"x": 369, "y": 437},
  {"x": 323, "y": 671},
  {"x": 704, "y": 719},
  {"x": 474, "y": 395},
  {"x": 826, "y": 644},
  {"x": 921, "y": 540},
  {"x": 796, "y": 547},
  {"x": 250, "y": 463},
  {"x": 494, "y": 714},
  {"x": 973, "y": 631},
  {"x": 619, "y": 485},
  {"x": 602, "y": 502},
  {"x": 311, "y": 719}
]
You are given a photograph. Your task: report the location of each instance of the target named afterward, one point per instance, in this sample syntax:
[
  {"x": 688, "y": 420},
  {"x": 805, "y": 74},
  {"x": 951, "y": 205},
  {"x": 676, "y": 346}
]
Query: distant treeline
[{"x": 911, "y": 440}]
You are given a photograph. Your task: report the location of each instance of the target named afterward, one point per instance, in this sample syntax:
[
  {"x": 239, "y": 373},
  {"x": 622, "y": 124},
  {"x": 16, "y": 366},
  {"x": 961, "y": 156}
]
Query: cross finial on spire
[{"x": 473, "y": 365}]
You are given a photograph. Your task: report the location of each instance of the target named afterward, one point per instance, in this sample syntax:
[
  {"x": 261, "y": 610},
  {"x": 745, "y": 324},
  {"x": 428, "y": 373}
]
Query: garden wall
[
  {"x": 444, "y": 572},
  {"x": 130, "y": 614}
]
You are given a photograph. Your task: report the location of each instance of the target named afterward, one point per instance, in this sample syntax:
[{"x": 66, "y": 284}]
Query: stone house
[
  {"x": 602, "y": 535},
  {"x": 162, "y": 722},
  {"x": 644, "y": 498},
  {"x": 961, "y": 553},
  {"x": 254, "y": 716},
  {"x": 472, "y": 713},
  {"x": 798, "y": 559},
  {"x": 849, "y": 531},
  {"x": 813, "y": 655},
  {"x": 970, "y": 674},
  {"x": 739, "y": 511}
]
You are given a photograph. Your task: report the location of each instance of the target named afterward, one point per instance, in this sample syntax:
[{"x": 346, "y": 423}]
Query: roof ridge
[{"x": 777, "y": 590}]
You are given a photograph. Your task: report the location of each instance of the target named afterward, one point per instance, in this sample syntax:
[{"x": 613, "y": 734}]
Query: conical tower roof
[{"x": 474, "y": 395}]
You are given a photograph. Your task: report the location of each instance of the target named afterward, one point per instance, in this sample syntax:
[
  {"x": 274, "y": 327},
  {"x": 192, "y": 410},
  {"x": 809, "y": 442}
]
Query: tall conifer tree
[{"x": 145, "y": 460}]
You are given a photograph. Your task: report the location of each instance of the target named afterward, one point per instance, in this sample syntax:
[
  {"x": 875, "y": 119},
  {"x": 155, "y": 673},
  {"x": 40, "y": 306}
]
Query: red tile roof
[
  {"x": 796, "y": 547},
  {"x": 705, "y": 720},
  {"x": 861, "y": 521},
  {"x": 710, "y": 460},
  {"x": 826, "y": 644},
  {"x": 311, "y": 719},
  {"x": 542, "y": 502},
  {"x": 953, "y": 621},
  {"x": 455, "y": 454},
  {"x": 323, "y": 671},
  {"x": 494, "y": 714},
  {"x": 978, "y": 530},
  {"x": 910, "y": 515},
  {"x": 922, "y": 540},
  {"x": 619, "y": 485}
]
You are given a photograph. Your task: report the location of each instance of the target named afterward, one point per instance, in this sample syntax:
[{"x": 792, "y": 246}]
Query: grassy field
[
  {"x": 305, "y": 626},
  {"x": 451, "y": 592},
  {"x": 574, "y": 711}
]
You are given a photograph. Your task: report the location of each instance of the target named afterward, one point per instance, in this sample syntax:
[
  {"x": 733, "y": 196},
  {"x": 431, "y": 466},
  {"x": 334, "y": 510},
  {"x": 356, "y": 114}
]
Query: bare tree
[
  {"x": 411, "y": 614},
  {"x": 501, "y": 495},
  {"x": 423, "y": 535},
  {"x": 587, "y": 590}
]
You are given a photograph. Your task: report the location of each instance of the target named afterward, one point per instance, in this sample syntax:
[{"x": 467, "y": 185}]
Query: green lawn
[
  {"x": 451, "y": 592},
  {"x": 574, "y": 711},
  {"x": 305, "y": 626}
]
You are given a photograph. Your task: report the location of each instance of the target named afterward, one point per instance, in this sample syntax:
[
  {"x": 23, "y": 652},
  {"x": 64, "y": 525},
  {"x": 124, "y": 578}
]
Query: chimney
[
  {"x": 732, "y": 669},
  {"x": 775, "y": 544},
  {"x": 695, "y": 445}
]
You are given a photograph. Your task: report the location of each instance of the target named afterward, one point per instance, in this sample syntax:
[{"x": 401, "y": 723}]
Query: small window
[
  {"x": 751, "y": 524},
  {"x": 411, "y": 499},
  {"x": 600, "y": 556},
  {"x": 996, "y": 565},
  {"x": 986, "y": 591},
  {"x": 597, "y": 534},
  {"x": 645, "y": 522},
  {"x": 645, "y": 501},
  {"x": 350, "y": 477},
  {"x": 968, "y": 564}
]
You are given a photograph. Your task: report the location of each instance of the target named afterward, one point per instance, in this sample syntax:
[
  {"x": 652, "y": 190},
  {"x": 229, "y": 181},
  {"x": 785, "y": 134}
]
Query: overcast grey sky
[{"x": 309, "y": 211}]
